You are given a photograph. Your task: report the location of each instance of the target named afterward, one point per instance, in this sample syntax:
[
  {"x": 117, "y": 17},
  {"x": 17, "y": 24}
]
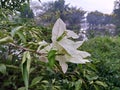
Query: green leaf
[
  {"x": 21, "y": 88},
  {"x": 92, "y": 66},
  {"x": 78, "y": 85},
  {"x": 91, "y": 77},
  {"x": 101, "y": 83},
  {"x": 96, "y": 87},
  {"x": 36, "y": 80},
  {"x": 12, "y": 66},
  {"x": 15, "y": 30},
  {"x": 45, "y": 82},
  {"x": 2, "y": 68},
  {"x": 25, "y": 67},
  {"x": 22, "y": 37},
  {"x": 5, "y": 40},
  {"x": 4, "y": 15},
  {"x": 31, "y": 70},
  {"x": 51, "y": 57}
]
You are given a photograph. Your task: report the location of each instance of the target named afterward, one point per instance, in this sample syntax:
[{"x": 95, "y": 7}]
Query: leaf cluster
[{"x": 105, "y": 56}]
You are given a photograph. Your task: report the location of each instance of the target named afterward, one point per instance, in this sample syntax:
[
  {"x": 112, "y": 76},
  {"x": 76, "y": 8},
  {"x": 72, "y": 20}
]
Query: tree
[
  {"x": 100, "y": 24},
  {"x": 26, "y": 12},
  {"x": 108, "y": 19},
  {"x": 51, "y": 11},
  {"x": 12, "y": 4},
  {"x": 72, "y": 16},
  {"x": 117, "y": 15},
  {"x": 16, "y": 8},
  {"x": 96, "y": 19}
]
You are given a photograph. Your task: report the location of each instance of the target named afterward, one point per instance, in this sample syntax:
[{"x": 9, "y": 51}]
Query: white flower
[
  {"x": 43, "y": 48},
  {"x": 66, "y": 47}
]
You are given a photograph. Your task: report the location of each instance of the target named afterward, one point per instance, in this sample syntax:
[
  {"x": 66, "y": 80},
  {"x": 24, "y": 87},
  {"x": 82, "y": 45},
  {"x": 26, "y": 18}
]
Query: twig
[{"x": 26, "y": 49}]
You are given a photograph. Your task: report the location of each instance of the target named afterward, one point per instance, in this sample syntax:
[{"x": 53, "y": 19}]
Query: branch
[{"x": 26, "y": 49}]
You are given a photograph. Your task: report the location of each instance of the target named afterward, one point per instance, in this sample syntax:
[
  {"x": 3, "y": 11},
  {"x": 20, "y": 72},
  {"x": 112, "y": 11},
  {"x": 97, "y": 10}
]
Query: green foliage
[
  {"x": 51, "y": 57},
  {"x": 25, "y": 67},
  {"x": 116, "y": 13},
  {"x": 13, "y": 4},
  {"x": 6, "y": 40},
  {"x": 105, "y": 56},
  {"x": 51, "y": 11},
  {"x": 97, "y": 19},
  {"x": 26, "y": 12},
  {"x": 21, "y": 54},
  {"x": 2, "y": 68},
  {"x": 19, "y": 42}
]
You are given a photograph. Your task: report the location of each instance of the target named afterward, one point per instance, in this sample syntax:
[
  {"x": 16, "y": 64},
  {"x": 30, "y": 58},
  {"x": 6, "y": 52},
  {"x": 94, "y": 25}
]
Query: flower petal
[
  {"x": 64, "y": 66},
  {"x": 83, "y": 54},
  {"x": 42, "y": 43},
  {"x": 44, "y": 47},
  {"x": 43, "y": 59},
  {"x": 76, "y": 59},
  {"x": 58, "y": 29},
  {"x": 72, "y": 34},
  {"x": 67, "y": 45},
  {"x": 62, "y": 62},
  {"x": 78, "y": 44}
]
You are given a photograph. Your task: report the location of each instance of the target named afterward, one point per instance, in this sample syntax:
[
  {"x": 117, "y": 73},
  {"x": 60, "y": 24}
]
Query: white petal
[
  {"x": 58, "y": 29},
  {"x": 83, "y": 54},
  {"x": 62, "y": 62},
  {"x": 76, "y": 59},
  {"x": 43, "y": 59},
  {"x": 64, "y": 66},
  {"x": 72, "y": 34},
  {"x": 42, "y": 43},
  {"x": 46, "y": 48},
  {"x": 61, "y": 58},
  {"x": 78, "y": 44},
  {"x": 67, "y": 45}
]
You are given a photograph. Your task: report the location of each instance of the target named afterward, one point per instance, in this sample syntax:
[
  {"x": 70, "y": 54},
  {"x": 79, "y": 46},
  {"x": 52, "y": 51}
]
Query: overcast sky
[{"x": 105, "y": 6}]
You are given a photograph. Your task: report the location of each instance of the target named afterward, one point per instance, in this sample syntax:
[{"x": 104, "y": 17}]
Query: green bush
[{"x": 105, "y": 56}]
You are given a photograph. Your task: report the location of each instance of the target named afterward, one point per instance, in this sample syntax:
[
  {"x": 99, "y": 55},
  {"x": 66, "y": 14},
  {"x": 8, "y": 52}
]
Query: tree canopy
[
  {"x": 12, "y": 4},
  {"x": 116, "y": 12},
  {"x": 72, "y": 16}
]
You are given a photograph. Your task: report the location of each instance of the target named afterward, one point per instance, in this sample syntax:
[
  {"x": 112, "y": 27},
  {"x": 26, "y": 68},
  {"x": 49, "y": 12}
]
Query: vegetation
[
  {"x": 117, "y": 15},
  {"x": 51, "y": 11},
  {"x": 105, "y": 55},
  {"x": 22, "y": 44},
  {"x": 97, "y": 20}
]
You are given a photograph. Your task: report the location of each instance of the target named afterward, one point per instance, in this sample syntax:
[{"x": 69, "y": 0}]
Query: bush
[{"x": 105, "y": 56}]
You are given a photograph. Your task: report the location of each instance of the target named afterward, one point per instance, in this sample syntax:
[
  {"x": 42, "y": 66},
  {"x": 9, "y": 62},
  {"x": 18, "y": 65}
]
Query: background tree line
[{"x": 72, "y": 16}]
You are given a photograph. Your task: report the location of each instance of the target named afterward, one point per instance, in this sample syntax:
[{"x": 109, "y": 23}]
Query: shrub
[{"x": 105, "y": 56}]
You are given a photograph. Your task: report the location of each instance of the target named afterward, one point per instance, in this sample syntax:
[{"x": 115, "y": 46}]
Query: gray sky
[{"x": 105, "y": 6}]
